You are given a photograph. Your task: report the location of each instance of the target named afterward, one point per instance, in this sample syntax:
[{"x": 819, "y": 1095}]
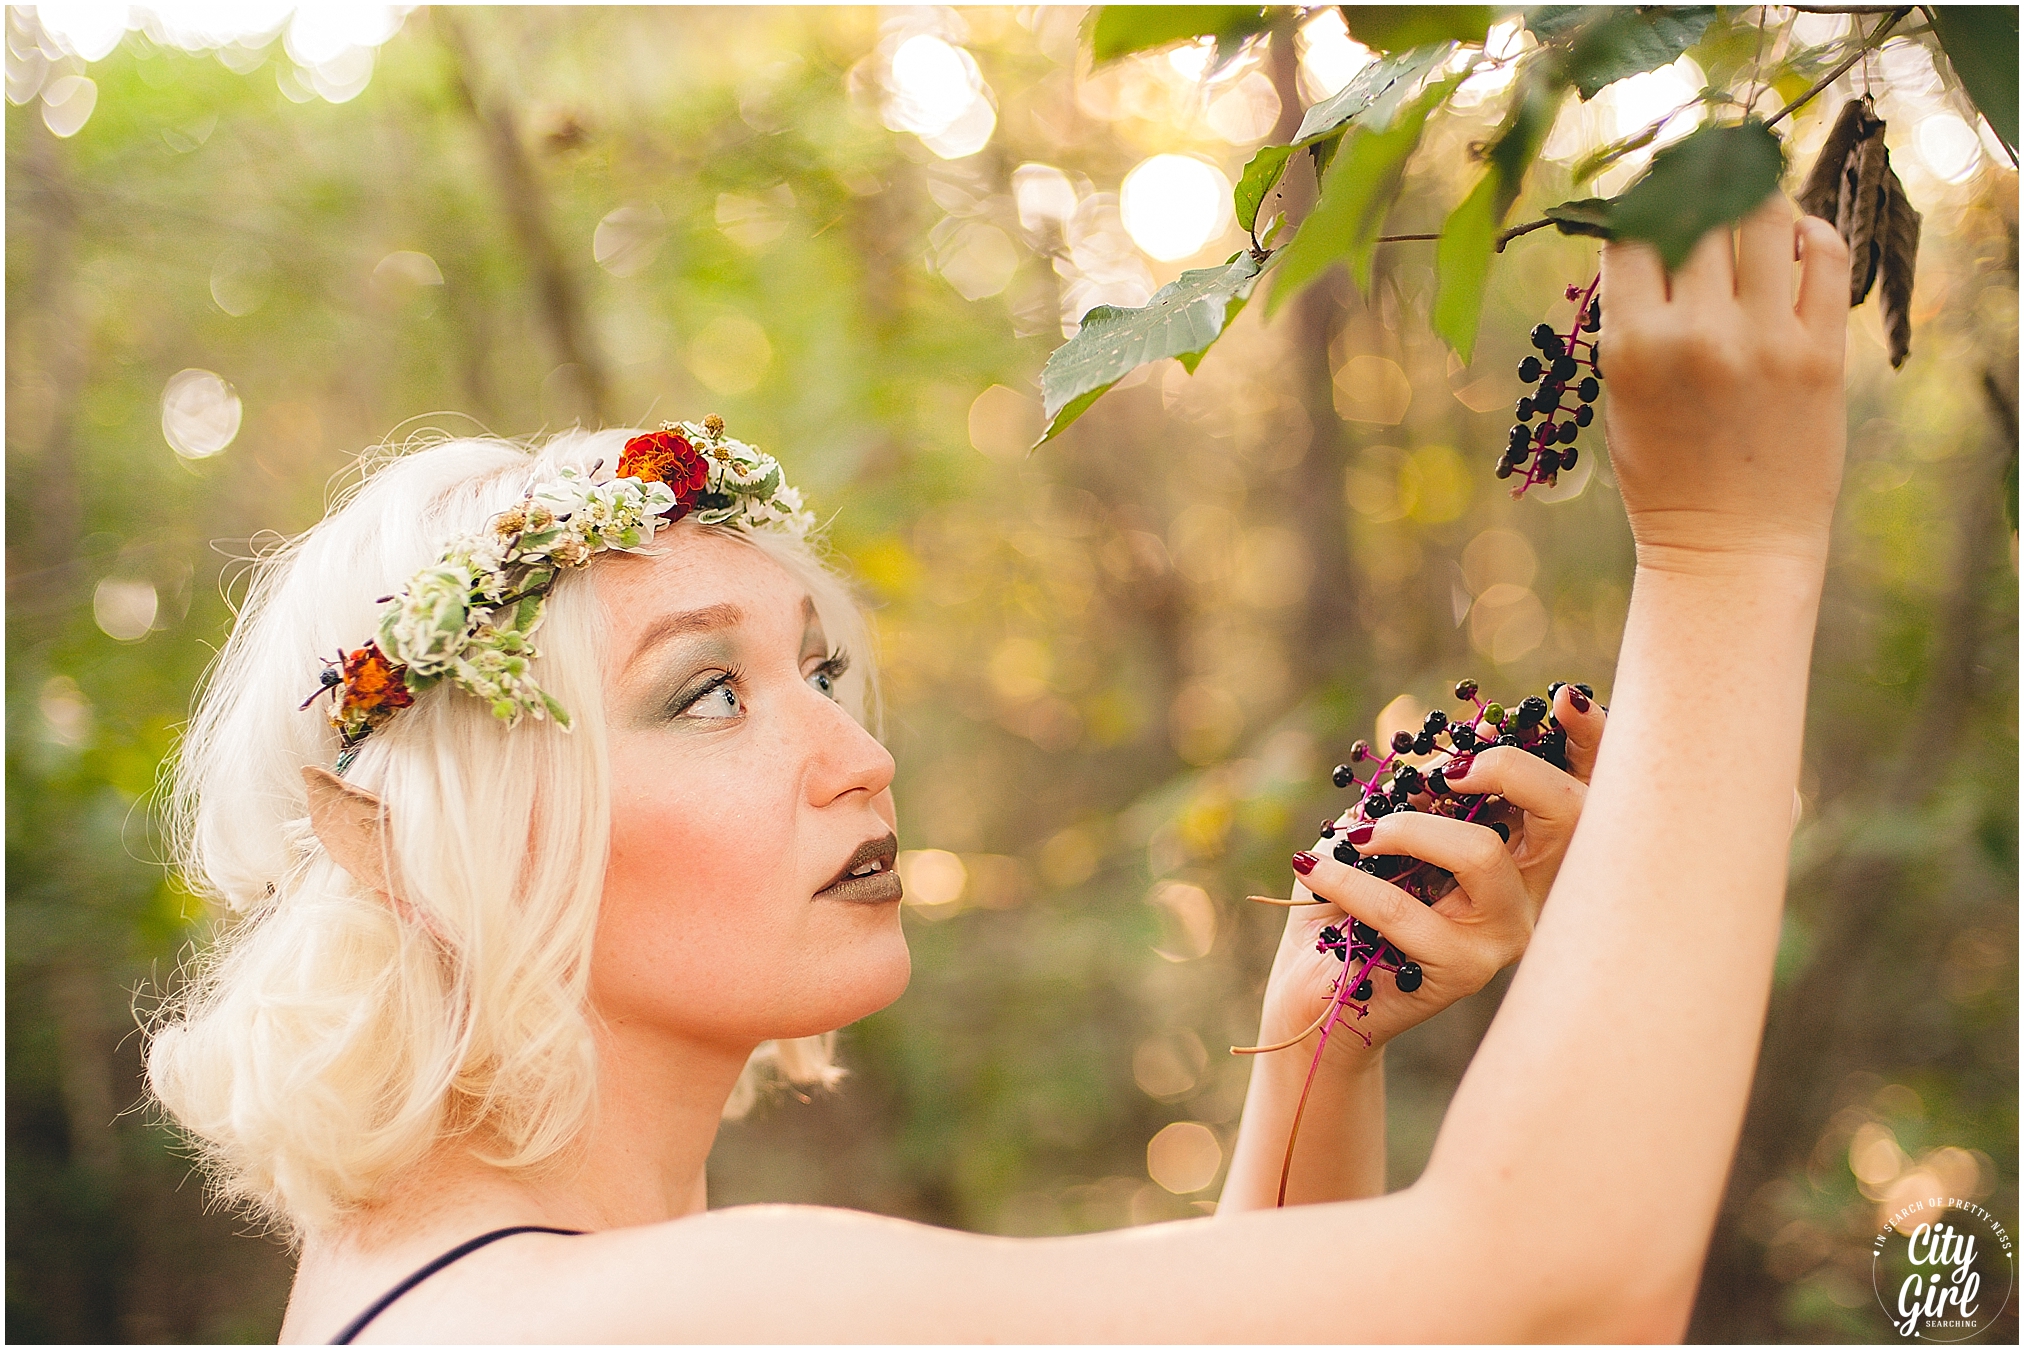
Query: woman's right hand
[{"x": 1726, "y": 423}]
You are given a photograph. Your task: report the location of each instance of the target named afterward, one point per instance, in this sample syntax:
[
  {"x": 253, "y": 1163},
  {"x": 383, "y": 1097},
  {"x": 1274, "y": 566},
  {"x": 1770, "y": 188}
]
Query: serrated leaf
[
  {"x": 1981, "y": 43},
  {"x": 1362, "y": 183},
  {"x": 1390, "y": 28},
  {"x": 1119, "y": 30},
  {"x": 1381, "y": 83},
  {"x": 1185, "y": 317},
  {"x": 1260, "y": 176},
  {"x": 1616, "y": 43},
  {"x": 1588, "y": 215},
  {"x": 1712, "y": 177},
  {"x": 1462, "y": 265}
]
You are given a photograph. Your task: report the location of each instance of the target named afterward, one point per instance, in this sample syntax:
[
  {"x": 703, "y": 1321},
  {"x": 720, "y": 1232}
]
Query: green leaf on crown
[{"x": 1183, "y": 319}]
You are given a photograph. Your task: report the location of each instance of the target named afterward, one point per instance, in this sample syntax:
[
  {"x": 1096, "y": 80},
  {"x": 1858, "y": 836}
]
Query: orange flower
[
  {"x": 667, "y": 457},
  {"x": 373, "y": 685}
]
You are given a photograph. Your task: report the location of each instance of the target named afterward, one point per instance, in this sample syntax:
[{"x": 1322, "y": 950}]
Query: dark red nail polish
[
  {"x": 1577, "y": 698},
  {"x": 1458, "y": 767},
  {"x": 1361, "y": 835},
  {"x": 1303, "y": 862}
]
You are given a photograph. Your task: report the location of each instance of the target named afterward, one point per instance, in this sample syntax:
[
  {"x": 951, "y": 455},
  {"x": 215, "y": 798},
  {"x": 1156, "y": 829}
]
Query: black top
[{"x": 456, "y": 1253}]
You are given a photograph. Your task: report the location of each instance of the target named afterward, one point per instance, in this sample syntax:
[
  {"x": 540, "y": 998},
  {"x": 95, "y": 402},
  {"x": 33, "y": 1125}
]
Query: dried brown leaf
[
  {"x": 1822, "y": 194},
  {"x": 1900, "y": 250},
  {"x": 1861, "y": 218}
]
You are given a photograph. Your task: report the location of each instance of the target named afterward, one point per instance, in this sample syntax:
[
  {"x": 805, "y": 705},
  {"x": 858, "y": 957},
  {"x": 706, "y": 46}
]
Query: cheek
[{"x": 699, "y": 889}]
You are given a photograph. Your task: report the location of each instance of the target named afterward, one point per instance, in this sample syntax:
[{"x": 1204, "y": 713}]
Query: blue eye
[
  {"x": 825, "y": 676},
  {"x": 718, "y": 701},
  {"x": 824, "y": 682}
]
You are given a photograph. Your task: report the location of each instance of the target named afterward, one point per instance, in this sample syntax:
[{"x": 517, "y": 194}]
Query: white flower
[{"x": 425, "y": 626}]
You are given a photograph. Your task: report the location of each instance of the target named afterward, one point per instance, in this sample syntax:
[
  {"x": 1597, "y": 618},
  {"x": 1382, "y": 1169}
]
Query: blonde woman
[{"x": 497, "y": 983}]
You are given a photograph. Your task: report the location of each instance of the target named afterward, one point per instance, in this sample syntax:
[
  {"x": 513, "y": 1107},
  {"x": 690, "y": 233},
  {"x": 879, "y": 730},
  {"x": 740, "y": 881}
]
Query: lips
[{"x": 868, "y": 877}]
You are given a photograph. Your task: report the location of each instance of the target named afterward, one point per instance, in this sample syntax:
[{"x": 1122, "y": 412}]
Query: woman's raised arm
[{"x": 1574, "y": 1184}]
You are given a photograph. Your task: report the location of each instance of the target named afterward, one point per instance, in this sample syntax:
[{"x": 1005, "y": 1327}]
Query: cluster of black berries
[
  {"x": 1394, "y": 785},
  {"x": 1567, "y": 365}
]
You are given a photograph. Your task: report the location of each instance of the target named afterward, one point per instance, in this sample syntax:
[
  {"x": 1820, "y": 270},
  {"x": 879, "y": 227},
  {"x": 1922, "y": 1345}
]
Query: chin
[{"x": 859, "y": 976}]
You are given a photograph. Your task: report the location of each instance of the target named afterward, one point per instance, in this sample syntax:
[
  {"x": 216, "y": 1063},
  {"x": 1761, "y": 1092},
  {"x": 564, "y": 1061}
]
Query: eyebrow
[{"x": 688, "y": 621}]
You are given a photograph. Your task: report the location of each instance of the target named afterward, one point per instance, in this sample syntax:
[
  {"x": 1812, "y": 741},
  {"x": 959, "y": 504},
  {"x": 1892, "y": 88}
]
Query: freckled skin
[{"x": 728, "y": 817}]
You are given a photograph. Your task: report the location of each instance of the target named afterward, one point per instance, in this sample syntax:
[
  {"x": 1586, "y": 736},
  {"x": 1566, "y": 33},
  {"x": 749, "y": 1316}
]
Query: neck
[{"x": 640, "y": 1160}]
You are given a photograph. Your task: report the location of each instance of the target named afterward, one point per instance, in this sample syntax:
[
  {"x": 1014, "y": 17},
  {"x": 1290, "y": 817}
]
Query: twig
[
  {"x": 1283, "y": 1045},
  {"x": 1284, "y": 904},
  {"x": 1503, "y": 236},
  {"x": 1869, "y": 44}
]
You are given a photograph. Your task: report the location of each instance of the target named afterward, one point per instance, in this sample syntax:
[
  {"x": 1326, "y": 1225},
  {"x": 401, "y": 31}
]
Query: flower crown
[{"x": 470, "y": 616}]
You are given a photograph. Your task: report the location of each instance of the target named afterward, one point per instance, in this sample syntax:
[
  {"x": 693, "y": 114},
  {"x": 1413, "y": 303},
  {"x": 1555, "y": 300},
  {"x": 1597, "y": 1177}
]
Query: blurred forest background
[{"x": 246, "y": 243}]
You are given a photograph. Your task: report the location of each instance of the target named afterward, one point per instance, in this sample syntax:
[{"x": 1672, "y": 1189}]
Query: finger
[
  {"x": 1633, "y": 278},
  {"x": 1528, "y": 782},
  {"x": 1582, "y": 718},
  {"x": 1483, "y": 867},
  {"x": 1823, "y": 277},
  {"x": 1764, "y": 252},
  {"x": 1403, "y": 920},
  {"x": 1709, "y": 274}
]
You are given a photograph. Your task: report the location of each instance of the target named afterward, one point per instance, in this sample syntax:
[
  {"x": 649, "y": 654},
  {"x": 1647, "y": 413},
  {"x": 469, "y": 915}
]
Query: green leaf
[
  {"x": 1469, "y": 237},
  {"x": 1184, "y": 318},
  {"x": 1713, "y": 177},
  {"x": 1261, "y": 175},
  {"x": 1119, "y": 30},
  {"x": 1390, "y": 28},
  {"x": 1385, "y": 82},
  {"x": 1357, "y": 195},
  {"x": 1617, "y": 42},
  {"x": 1547, "y": 22},
  {"x": 1981, "y": 42},
  {"x": 1589, "y": 216},
  {"x": 1462, "y": 265}
]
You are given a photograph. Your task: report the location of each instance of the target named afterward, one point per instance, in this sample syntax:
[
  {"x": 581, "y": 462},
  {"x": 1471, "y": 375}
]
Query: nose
[{"x": 844, "y": 757}]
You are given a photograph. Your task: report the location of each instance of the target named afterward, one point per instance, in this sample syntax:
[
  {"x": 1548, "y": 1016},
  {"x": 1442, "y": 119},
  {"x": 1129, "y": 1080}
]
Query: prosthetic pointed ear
[{"x": 351, "y": 825}]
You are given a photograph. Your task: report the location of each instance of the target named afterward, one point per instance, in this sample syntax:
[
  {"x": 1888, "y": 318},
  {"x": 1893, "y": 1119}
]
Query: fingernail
[
  {"x": 1303, "y": 862},
  {"x": 1578, "y": 699},
  {"x": 1458, "y": 767},
  {"x": 1361, "y": 835}
]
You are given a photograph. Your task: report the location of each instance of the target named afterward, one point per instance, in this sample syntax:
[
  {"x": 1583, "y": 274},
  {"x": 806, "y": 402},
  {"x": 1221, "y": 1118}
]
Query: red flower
[
  {"x": 373, "y": 685},
  {"x": 667, "y": 457}
]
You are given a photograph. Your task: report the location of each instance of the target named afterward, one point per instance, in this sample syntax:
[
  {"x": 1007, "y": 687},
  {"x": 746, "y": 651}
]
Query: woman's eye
[
  {"x": 824, "y": 682},
  {"x": 720, "y": 700}
]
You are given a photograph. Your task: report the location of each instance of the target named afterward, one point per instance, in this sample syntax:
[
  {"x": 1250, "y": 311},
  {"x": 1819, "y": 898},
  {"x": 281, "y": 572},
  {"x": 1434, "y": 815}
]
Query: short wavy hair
[{"x": 320, "y": 1044}]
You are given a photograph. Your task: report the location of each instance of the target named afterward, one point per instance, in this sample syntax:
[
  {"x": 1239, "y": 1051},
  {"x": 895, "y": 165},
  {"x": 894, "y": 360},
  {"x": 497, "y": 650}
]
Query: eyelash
[{"x": 834, "y": 665}]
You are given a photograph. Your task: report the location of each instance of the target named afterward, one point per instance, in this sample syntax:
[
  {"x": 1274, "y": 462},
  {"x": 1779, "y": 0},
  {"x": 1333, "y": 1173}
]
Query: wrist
[
  {"x": 1347, "y": 1060},
  {"x": 1728, "y": 550}
]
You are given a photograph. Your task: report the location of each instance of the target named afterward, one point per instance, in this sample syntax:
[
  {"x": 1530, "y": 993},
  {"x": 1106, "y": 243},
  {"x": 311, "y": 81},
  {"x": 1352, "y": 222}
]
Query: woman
[{"x": 506, "y": 979}]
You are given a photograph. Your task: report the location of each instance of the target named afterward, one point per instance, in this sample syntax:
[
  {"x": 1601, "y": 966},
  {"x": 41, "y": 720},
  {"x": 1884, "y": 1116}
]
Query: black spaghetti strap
[{"x": 456, "y": 1253}]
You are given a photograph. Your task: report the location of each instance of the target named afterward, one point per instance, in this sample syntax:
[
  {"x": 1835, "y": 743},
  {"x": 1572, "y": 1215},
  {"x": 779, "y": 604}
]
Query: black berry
[
  {"x": 1588, "y": 389},
  {"x": 1409, "y": 977},
  {"x": 1542, "y": 334},
  {"x": 1401, "y": 742},
  {"x": 1344, "y": 853},
  {"x": 1365, "y": 933},
  {"x": 1503, "y": 830},
  {"x": 1529, "y": 368},
  {"x": 1584, "y": 415},
  {"x": 1358, "y": 750},
  {"x": 1563, "y": 368},
  {"x": 1342, "y": 777},
  {"x": 1437, "y": 719},
  {"x": 1467, "y": 689},
  {"x": 1567, "y": 456},
  {"x": 1363, "y": 991}
]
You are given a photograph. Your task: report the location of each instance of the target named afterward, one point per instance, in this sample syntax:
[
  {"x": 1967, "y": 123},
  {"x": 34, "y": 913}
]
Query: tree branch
[{"x": 1869, "y": 44}]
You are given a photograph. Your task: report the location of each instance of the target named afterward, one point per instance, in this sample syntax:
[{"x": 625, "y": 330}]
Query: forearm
[
  {"x": 1641, "y": 1001},
  {"x": 1341, "y": 1153}
]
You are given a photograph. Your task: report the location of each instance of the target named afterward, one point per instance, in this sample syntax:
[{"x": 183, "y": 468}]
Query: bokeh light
[
  {"x": 200, "y": 413},
  {"x": 1174, "y": 206},
  {"x": 1184, "y": 1157},
  {"x": 124, "y": 608}
]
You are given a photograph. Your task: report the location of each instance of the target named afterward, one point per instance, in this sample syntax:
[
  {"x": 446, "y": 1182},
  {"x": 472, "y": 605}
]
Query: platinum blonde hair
[{"x": 323, "y": 1043}]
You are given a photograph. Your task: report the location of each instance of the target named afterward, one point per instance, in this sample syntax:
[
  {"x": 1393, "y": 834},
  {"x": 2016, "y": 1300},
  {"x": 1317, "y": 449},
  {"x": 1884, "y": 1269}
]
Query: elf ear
[{"x": 351, "y": 825}]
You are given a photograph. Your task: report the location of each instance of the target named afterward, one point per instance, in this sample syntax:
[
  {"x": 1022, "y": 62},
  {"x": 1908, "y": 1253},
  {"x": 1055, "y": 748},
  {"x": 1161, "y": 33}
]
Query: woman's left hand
[{"x": 1467, "y": 935}]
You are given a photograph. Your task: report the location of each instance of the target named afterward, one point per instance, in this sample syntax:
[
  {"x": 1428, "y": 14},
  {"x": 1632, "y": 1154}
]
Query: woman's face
[{"x": 751, "y": 893}]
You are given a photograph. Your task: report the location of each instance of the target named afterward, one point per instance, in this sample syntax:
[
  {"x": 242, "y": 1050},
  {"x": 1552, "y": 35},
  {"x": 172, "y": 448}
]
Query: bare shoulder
[{"x": 789, "y": 1273}]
